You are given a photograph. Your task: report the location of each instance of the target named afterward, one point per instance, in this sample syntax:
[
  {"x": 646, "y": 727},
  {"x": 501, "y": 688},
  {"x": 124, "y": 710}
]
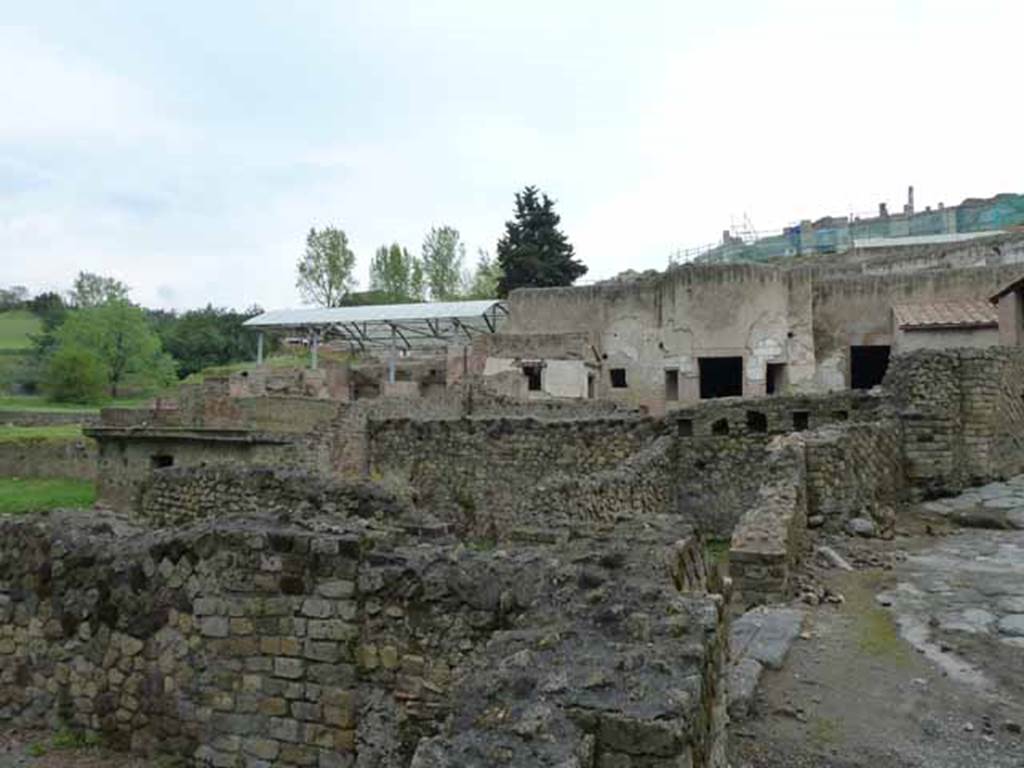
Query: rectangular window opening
[
  {"x": 757, "y": 421},
  {"x": 775, "y": 379},
  {"x": 590, "y": 386},
  {"x": 671, "y": 384},
  {"x": 618, "y": 378},
  {"x": 801, "y": 420},
  {"x": 686, "y": 427},
  {"x": 161, "y": 460},
  {"x": 720, "y": 377},
  {"x": 868, "y": 366},
  {"x": 532, "y": 374}
]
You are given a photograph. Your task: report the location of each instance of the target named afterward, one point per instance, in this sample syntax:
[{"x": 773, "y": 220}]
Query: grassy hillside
[{"x": 16, "y": 328}]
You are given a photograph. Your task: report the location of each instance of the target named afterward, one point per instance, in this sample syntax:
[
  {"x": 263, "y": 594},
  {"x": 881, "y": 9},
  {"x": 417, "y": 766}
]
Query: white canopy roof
[{"x": 407, "y": 325}]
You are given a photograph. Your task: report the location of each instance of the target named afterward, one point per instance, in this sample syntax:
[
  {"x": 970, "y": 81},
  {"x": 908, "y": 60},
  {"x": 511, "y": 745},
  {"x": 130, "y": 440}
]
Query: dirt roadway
[{"x": 915, "y": 669}]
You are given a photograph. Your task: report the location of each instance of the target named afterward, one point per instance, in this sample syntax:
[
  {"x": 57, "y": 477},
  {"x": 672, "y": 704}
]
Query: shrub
[{"x": 76, "y": 376}]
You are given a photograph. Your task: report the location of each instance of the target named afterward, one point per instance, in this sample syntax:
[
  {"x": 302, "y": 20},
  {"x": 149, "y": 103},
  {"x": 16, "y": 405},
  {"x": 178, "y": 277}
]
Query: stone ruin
[
  {"x": 512, "y": 584},
  {"x": 366, "y": 637}
]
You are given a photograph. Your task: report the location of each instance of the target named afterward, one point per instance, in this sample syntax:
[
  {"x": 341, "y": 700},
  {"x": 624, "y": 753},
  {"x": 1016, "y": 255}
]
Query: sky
[{"x": 186, "y": 148}]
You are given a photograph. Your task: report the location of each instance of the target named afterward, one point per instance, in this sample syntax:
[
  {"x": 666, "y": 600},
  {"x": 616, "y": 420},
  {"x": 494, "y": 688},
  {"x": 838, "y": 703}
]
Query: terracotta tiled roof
[
  {"x": 969, "y": 313},
  {"x": 1011, "y": 286}
]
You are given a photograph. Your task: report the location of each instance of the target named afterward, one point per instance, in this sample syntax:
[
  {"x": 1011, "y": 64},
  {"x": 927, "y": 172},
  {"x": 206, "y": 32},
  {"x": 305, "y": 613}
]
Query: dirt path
[{"x": 854, "y": 691}]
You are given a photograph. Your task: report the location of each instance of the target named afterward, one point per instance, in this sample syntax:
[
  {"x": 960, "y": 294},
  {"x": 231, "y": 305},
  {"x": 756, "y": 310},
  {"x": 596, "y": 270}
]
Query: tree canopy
[
  {"x": 534, "y": 252},
  {"x": 483, "y": 283},
  {"x": 201, "y": 338},
  {"x": 91, "y": 290},
  {"x": 325, "y": 269},
  {"x": 443, "y": 255},
  {"x": 117, "y": 335},
  {"x": 396, "y": 276}
]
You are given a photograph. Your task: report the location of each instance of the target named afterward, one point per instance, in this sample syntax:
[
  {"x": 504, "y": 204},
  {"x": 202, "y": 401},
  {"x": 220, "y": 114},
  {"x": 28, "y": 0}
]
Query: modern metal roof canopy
[{"x": 384, "y": 325}]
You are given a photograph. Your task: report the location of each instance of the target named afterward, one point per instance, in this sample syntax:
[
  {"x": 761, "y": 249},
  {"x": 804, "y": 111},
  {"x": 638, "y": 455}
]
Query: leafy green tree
[
  {"x": 117, "y": 334},
  {"x": 396, "y": 275},
  {"x": 75, "y": 375},
  {"x": 483, "y": 283},
  {"x": 91, "y": 290},
  {"x": 13, "y": 297},
  {"x": 534, "y": 251},
  {"x": 201, "y": 338},
  {"x": 48, "y": 307},
  {"x": 443, "y": 255},
  {"x": 325, "y": 269}
]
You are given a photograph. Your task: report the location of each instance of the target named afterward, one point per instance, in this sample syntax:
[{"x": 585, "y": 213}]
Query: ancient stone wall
[
  {"x": 852, "y": 469},
  {"x": 721, "y": 452},
  {"x": 46, "y": 418},
  {"x": 641, "y": 486},
  {"x": 48, "y": 457},
  {"x": 858, "y": 310},
  {"x": 127, "y": 459},
  {"x": 769, "y": 538},
  {"x": 182, "y": 495},
  {"x": 333, "y": 643},
  {"x": 962, "y": 413},
  {"x": 476, "y": 472}
]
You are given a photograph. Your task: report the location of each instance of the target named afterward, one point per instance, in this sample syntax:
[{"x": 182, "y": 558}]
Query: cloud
[{"x": 49, "y": 93}]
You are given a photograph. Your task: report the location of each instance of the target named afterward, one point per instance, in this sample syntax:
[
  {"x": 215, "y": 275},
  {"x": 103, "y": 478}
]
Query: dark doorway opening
[
  {"x": 590, "y": 386},
  {"x": 775, "y": 379},
  {"x": 801, "y": 420},
  {"x": 671, "y": 384},
  {"x": 618, "y": 378},
  {"x": 868, "y": 366},
  {"x": 532, "y": 374},
  {"x": 720, "y": 427},
  {"x": 720, "y": 377}
]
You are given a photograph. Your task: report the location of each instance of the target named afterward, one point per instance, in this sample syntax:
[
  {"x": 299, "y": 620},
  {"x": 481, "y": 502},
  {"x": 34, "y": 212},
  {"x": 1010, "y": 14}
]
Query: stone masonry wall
[
  {"x": 853, "y": 469},
  {"x": 721, "y": 449},
  {"x": 640, "y": 487},
  {"x": 475, "y": 473},
  {"x": 180, "y": 495},
  {"x": 769, "y": 538},
  {"x": 248, "y": 642},
  {"x": 46, "y": 457},
  {"x": 962, "y": 412}
]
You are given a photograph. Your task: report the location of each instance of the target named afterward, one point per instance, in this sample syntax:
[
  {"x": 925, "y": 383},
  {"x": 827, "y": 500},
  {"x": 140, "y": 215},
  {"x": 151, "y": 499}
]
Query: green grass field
[
  {"x": 21, "y": 495},
  {"x": 11, "y": 434},
  {"x": 16, "y": 327},
  {"x": 41, "y": 404}
]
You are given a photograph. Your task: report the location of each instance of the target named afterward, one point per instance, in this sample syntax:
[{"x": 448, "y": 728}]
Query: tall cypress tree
[{"x": 534, "y": 252}]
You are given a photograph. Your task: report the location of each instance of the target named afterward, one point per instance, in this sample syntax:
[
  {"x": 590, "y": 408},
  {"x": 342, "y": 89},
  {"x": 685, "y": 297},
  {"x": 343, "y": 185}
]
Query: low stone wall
[
  {"x": 852, "y": 469},
  {"x": 718, "y": 479},
  {"x": 46, "y": 418},
  {"x": 640, "y": 487},
  {"x": 770, "y": 537},
  {"x": 47, "y": 457},
  {"x": 333, "y": 643},
  {"x": 177, "y": 496}
]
